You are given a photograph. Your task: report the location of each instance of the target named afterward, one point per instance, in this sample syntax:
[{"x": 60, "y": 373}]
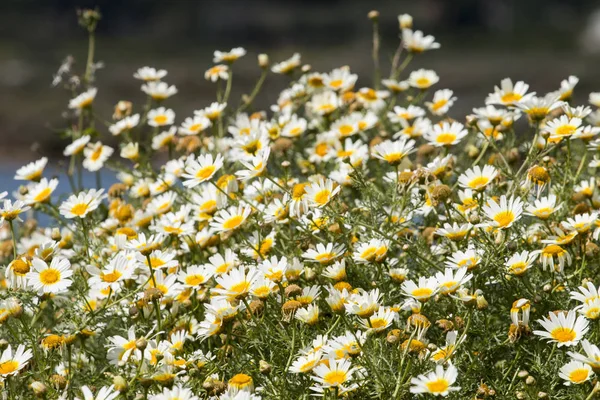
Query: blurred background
[{"x": 539, "y": 41}]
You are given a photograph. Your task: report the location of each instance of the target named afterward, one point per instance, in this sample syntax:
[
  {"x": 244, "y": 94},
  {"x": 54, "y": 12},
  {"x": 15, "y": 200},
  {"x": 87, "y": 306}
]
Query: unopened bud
[
  {"x": 120, "y": 383},
  {"x": 373, "y": 15},
  {"x": 263, "y": 60},
  {"x": 405, "y": 21}
]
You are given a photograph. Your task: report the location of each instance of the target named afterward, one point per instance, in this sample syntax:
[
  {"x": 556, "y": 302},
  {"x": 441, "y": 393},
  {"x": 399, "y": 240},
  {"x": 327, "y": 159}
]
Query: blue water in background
[{"x": 63, "y": 190}]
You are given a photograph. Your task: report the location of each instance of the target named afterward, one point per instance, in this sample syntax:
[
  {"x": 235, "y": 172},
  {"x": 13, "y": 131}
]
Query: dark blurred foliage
[{"x": 483, "y": 41}]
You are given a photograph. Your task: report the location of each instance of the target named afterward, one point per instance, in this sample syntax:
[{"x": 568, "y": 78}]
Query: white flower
[
  {"x": 53, "y": 278},
  {"x": 565, "y": 330},
  {"x": 437, "y": 383}
]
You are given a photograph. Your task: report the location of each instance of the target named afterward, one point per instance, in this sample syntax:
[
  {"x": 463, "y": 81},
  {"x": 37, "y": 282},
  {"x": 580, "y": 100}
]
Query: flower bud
[
  {"x": 373, "y": 15},
  {"x": 120, "y": 383},
  {"x": 38, "y": 388},
  {"x": 405, "y": 21},
  {"x": 263, "y": 60}
]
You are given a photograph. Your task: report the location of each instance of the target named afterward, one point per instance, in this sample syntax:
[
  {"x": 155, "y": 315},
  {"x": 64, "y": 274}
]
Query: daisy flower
[
  {"x": 562, "y": 127},
  {"x": 11, "y": 363},
  {"x": 95, "y": 156},
  {"x": 105, "y": 393},
  {"x": 543, "y": 208},
  {"x": 324, "y": 254},
  {"x": 237, "y": 283},
  {"x": 519, "y": 263},
  {"x": 229, "y": 56},
  {"x": 379, "y": 321},
  {"x": 32, "y": 171},
  {"x": 508, "y": 94},
  {"x": 582, "y": 223},
  {"x": 320, "y": 193},
  {"x": 437, "y": 383},
  {"x": 212, "y": 112},
  {"x": 451, "y": 280},
  {"x": 306, "y": 363},
  {"x": 53, "y": 278},
  {"x": 587, "y": 293},
  {"x": 565, "y": 330},
  {"x": 83, "y": 100},
  {"x": 537, "y": 108},
  {"x": 324, "y": 103},
  {"x": 373, "y": 250},
  {"x": 417, "y": 42},
  {"x": 80, "y": 205},
  {"x": 149, "y": 74},
  {"x": 445, "y": 134},
  {"x": 502, "y": 215},
  {"x": 287, "y": 66},
  {"x": 393, "y": 152},
  {"x": 308, "y": 315},
  {"x": 217, "y": 72},
  {"x": 552, "y": 251},
  {"x": 159, "y": 90},
  {"x": 255, "y": 167},
  {"x": 442, "y": 101},
  {"x": 10, "y": 211},
  {"x": 76, "y": 146},
  {"x": 591, "y": 357},
  {"x": 195, "y": 275},
  {"x": 395, "y": 86},
  {"x": 575, "y": 373},
  {"x": 478, "y": 178},
  {"x": 201, "y": 169},
  {"x": 454, "y": 232},
  {"x": 161, "y": 116},
  {"x": 469, "y": 258},
  {"x": 230, "y": 219},
  {"x": 340, "y": 79},
  {"x": 334, "y": 373},
  {"x": 423, "y": 290},
  {"x": 423, "y": 78},
  {"x": 193, "y": 126}
]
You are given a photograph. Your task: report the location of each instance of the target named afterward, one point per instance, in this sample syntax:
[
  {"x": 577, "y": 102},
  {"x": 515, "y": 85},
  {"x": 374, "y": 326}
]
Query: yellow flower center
[
  {"x": 552, "y": 250},
  {"x": 440, "y": 385},
  {"x": 160, "y": 119},
  {"x": 423, "y": 82},
  {"x": 565, "y": 130},
  {"x": 336, "y": 83},
  {"x": 393, "y": 158},
  {"x": 579, "y": 375},
  {"x": 240, "y": 288},
  {"x": 19, "y": 267},
  {"x": 446, "y": 138},
  {"x": 479, "y": 182},
  {"x": 8, "y": 367},
  {"x": 111, "y": 276},
  {"x": 563, "y": 334},
  {"x": 335, "y": 378},
  {"x": 439, "y": 104},
  {"x": 324, "y": 257},
  {"x": 79, "y": 209},
  {"x": 240, "y": 381},
  {"x": 511, "y": 97},
  {"x": 422, "y": 292},
  {"x": 206, "y": 172},
  {"x": 43, "y": 195},
  {"x": 194, "y": 280},
  {"x": 504, "y": 218},
  {"x": 322, "y": 197},
  {"x": 233, "y": 222},
  {"x": 345, "y": 130},
  {"x": 49, "y": 276}
]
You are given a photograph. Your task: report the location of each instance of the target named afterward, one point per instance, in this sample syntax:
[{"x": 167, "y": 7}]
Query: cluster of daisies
[{"x": 345, "y": 242}]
